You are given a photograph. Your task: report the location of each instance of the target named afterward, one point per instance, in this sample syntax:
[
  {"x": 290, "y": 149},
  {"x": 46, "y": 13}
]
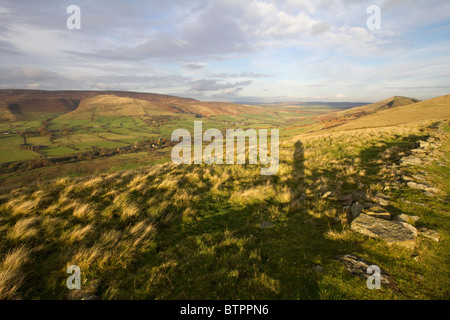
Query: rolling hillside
[
  {"x": 392, "y": 102},
  {"x": 436, "y": 108},
  {"x": 21, "y": 105},
  {"x": 340, "y": 117}
]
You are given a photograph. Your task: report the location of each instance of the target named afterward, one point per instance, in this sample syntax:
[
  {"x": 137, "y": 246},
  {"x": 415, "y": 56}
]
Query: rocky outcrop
[
  {"x": 406, "y": 218},
  {"x": 392, "y": 232},
  {"x": 425, "y": 154},
  {"x": 429, "y": 233},
  {"x": 358, "y": 267}
]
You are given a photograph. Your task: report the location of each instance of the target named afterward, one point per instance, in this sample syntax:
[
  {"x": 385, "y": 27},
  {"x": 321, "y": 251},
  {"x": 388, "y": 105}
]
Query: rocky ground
[{"x": 369, "y": 215}]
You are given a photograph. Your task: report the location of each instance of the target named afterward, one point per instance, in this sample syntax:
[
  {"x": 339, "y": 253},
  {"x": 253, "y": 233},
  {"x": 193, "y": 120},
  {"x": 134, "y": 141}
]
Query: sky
[{"x": 230, "y": 50}]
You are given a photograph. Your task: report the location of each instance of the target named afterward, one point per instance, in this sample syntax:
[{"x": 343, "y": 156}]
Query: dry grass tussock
[{"x": 12, "y": 274}]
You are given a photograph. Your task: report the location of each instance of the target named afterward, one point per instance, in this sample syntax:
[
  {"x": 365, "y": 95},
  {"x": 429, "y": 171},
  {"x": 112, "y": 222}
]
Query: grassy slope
[
  {"x": 392, "y": 102},
  {"x": 168, "y": 232},
  {"x": 436, "y": 108}
]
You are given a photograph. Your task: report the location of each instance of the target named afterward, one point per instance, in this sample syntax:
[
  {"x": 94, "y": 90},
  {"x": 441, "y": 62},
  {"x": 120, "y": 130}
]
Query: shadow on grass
[
  {"x": 229, "y": 253},
  {"x": 370, "y": 155}
]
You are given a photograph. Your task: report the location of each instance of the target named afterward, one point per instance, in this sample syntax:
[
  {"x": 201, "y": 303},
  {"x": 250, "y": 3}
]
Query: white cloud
[{"x": 203, "y": 46}]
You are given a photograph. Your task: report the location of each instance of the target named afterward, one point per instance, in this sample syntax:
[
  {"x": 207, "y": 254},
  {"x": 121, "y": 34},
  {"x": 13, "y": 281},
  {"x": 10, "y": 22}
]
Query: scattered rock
[
  {"x": 420, "y": 151},
  {"x": 380, "y": 199},
  {"x": 358, "y": 267},
  {"x": 369, "y": 205},
  {"x": 433, "y": 190},
  {"x": 407, "y": 178},
  {"x": 415, "y": 203},
  {"x": 382, "y": 202},
  {"x": 429, "y": 233},
  {"x": 346, "y": 200},
  {"x": 392, "y": 232},
  {"x": 406, "y": 218},
  {"x": 358, "y": 195},
  {"x": 419, "y": 178},
  {"x": 356, "y": 209},
  {"x": 377, "y": 212},
  {"x": 266, "y": 224},
  {"x": 424, "y": 144},
  {"x": 410, "y": 161},
  {"x": 318, "y": 268},
  {"x": 417, "y": 186},
  {"x": 302, "y": 197}
]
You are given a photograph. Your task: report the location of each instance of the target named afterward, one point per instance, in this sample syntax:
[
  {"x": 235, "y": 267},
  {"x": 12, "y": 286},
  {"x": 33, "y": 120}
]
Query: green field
[{"x": 78, "y": 135}]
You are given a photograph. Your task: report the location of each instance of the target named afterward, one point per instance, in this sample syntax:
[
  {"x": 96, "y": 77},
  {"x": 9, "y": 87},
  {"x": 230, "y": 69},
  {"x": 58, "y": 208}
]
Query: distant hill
[
  {"x": 27, "y": 104},
  {"x": 435, "y": 108},
  {"x": 340, "y": 117},
  {"x": 18, "y": 105},
  {"x": 392, "y": 102},
  {"x": 337, "y": 105}
]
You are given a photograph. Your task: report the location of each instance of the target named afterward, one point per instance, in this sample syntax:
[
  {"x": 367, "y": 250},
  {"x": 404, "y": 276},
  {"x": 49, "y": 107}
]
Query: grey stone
[
  {"x": 433, "y": 190},
  {"x": 417, "y": 186},
  {"x": 318, "y": 268},
  {"x": 410, "y": 227},
  {"x": 377, "y": 212},
  {"x": 266, "y": 224},
  {"x": 346, "y": 200},
  {"x": 424, "y": 144},
  {"x": 358, "y": 267},
  {"x": 406, "y": 218},
  {"x": 369, "y": 205},
  {"x": 380, "y": 199},
  {"x": 358, "y": 195},
  {"x": 419, "y": 178},
  {"x": 414, "y": 161},
  {"x": 382, "y": 202},
  {"x": 415, "y": 203},
  {"x": 429, "y": 233},
  {"x": 356, "y": 209},
  {"x": 392, "y": 232}
]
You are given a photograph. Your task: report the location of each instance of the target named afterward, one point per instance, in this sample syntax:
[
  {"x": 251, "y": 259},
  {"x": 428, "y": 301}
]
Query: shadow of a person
[{"x": 298, "y": 170}]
